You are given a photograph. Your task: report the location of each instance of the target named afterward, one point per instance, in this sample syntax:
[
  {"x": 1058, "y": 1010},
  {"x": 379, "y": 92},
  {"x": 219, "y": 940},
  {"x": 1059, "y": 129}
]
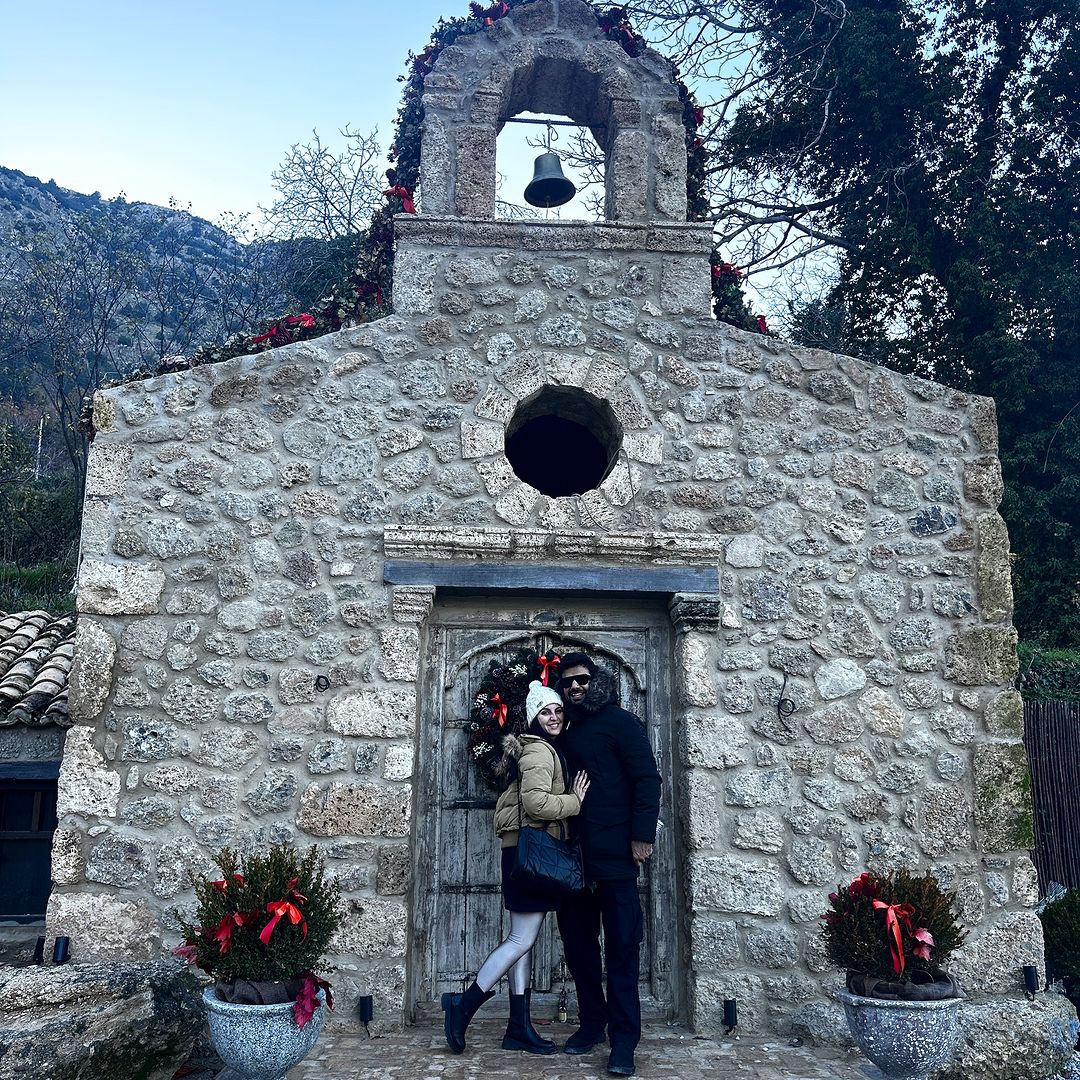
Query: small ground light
[
  {"x": 60, "y": 950},
  {"x": 365, "y": 1008},
  {"x": 731, "y": 1015},
  {"x": 39, "y": 952},
  {"x": 1031, "y": 980}
]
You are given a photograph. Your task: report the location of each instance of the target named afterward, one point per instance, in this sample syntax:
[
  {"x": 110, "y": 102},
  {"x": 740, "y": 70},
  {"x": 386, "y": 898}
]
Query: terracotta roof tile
[{"x": 35, "y": 660}]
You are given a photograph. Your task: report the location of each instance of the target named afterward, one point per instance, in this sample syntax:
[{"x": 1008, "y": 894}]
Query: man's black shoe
[
  {"x": 583, "y": 1040},
  {"x": 621, "y": 1063}
]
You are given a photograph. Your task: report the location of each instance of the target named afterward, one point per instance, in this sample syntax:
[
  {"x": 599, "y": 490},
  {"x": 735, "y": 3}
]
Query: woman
[{"x": 539, "y": 787}]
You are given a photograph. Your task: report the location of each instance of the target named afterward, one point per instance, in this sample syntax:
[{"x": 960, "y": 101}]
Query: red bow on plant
[
  {"x": 699, "y": 116},
  {"x": 222, "y": 885},
  {"x": 405, "y": 195},
  {"x": 499, "y": 709},
  {"x": 285, "y": 909},
  {"x": 762, "y": 327},
  {"x": 897, "y": 920},
  {"x": 224, "y": 932},
  {"x": 547, "y": 667}
]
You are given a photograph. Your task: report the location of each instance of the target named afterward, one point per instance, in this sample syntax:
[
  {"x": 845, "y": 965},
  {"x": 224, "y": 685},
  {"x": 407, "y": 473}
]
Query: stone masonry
[{"x": 245, "y": 675}]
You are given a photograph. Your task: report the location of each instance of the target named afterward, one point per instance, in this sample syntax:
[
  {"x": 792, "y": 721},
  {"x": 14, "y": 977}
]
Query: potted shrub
[
  {"x": 261, "y": 929},
  {"x": 892, "y": 935}
]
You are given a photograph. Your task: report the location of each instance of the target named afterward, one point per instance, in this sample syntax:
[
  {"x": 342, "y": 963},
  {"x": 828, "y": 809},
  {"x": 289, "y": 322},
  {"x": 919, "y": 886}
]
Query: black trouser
[{"x": 616, "y": 905}]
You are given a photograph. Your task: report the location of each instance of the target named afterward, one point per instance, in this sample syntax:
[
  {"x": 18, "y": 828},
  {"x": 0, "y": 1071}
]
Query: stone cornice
[
  {"x": 432, "y": 542},
  {"x": 677, "y": 238}
]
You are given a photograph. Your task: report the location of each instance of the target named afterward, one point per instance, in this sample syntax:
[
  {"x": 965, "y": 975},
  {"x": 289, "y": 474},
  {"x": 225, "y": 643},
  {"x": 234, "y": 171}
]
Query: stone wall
[{"x": 245, "y": 675}]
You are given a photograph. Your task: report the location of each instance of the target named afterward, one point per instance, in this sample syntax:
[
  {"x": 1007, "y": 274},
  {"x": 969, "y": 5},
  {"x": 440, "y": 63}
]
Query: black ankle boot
[
  {"x": 520, "y": 1034},
  {"x": 459, "y": 1010}
]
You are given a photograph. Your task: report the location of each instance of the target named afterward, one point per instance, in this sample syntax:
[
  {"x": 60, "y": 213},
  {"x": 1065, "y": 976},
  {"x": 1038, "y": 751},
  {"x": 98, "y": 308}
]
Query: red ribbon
[
  {"x": 547, "y": 667},
  {"x": 499, "y": 710},
  {"x": 282, "y": 909},
  {"x": 222, "y": 885},
  {"x": 761, "y": 324},
  {"x": 405, "y": 195},
  {"x": 224, "y": 932},
  {"x": 285, "y": 909},
  {"x": 895, "y": 914}
]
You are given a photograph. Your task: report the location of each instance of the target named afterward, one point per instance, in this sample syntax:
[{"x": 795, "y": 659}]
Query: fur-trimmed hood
[
  {"x": 512, "y": 748},
  {"x": 603, "y": 690}
]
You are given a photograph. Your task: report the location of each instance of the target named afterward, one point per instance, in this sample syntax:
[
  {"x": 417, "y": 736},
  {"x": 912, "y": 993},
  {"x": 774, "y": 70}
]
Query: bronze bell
[{"x": 548, "y": 186}]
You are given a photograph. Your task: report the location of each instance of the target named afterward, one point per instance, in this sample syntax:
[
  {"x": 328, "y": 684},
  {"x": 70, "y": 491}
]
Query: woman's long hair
[{"x": 553, "y": 742}]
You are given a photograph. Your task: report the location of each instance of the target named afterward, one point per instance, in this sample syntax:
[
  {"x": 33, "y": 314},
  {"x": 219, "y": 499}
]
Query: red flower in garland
[
  {"x": 405, "y": 195},
  {"x": 726, "y": 269}
]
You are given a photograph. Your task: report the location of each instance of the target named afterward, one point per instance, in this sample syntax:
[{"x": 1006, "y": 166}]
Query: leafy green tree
[{"x": 930, "y": 151}]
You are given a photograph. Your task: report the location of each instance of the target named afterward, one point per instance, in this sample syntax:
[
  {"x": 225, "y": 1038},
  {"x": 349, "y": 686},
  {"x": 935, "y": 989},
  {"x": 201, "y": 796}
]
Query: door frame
[{"x": 599, "y": 610}]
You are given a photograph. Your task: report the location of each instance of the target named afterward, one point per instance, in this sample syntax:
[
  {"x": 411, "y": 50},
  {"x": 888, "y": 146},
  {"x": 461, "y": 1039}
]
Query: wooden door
[{"x": 458, "y": 916}]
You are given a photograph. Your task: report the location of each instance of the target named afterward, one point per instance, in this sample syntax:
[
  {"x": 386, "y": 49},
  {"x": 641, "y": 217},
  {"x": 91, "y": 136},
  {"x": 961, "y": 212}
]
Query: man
[{"x": 617, "y": 827}]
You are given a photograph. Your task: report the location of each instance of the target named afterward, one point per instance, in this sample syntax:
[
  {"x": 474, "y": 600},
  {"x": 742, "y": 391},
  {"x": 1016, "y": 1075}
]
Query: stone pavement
[{"x": 420, "y": 1053}]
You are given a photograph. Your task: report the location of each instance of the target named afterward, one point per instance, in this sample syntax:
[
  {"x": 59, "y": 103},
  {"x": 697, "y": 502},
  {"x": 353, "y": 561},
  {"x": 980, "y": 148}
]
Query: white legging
[{"x": 513, "y": 955}]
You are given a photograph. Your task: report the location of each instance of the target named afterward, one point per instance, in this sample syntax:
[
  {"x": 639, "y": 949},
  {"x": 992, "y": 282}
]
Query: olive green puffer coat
[{"x": 543, "y": 791}]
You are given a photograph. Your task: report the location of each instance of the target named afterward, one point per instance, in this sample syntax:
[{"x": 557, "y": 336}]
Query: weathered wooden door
[{"x": 458, "y": 916}]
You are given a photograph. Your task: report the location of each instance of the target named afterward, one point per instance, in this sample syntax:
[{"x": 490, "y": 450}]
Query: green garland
[
  {"x": 498, "y": 709},
  {"x": 365, "y": 295}
]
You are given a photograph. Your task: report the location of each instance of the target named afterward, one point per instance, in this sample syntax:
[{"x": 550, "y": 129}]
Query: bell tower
[{"x": 551, "y": 57}]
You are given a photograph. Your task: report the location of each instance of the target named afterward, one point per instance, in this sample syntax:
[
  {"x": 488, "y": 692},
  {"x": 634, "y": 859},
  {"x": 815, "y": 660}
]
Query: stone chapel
[{"x": 296, "y": 565}]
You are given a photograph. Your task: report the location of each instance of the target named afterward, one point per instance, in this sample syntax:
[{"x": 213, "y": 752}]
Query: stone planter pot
[
  {"x": 906, "y": 1040},
  {"x": 261, "y": 1042}
]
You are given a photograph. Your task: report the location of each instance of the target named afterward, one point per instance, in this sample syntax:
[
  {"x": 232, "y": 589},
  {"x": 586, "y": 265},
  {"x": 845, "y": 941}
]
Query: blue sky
[{"x": 198, "y": 100}]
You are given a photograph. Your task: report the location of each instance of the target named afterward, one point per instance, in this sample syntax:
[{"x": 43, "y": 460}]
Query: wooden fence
[{"x": 1052, "y": 738}]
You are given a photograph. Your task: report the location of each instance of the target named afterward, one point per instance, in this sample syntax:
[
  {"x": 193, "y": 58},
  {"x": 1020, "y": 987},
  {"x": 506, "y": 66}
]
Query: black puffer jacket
[{"x": 623, "y": 801}]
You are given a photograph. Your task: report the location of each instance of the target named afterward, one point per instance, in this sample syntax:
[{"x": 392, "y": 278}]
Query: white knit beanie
[{"x": 539, "y": 696}]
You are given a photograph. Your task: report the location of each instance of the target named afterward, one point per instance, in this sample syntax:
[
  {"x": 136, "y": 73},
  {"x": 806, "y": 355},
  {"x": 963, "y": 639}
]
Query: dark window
[
  {"x": 27, "y": 824},
  {"x": 563, "y": 441}
]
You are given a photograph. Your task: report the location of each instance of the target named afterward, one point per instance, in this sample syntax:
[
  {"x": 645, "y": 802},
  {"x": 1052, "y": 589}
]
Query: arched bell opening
[{"x": 525, "y": 172}]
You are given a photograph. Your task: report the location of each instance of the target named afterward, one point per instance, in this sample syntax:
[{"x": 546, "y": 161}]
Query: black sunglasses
[{"x": 569, "y": 680}]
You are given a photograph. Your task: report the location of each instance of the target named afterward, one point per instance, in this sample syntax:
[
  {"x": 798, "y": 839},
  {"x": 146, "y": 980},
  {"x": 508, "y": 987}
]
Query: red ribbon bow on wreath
[
  {"x": 897, "y": 919},
  {"x": 499, "y": 709},
  {"x": 547, "y": 667},
  {"x": 285, "y": 909}
]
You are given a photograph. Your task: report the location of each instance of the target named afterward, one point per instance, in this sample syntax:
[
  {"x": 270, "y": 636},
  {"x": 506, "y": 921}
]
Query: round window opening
[{"x": 563, "y": 441}]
